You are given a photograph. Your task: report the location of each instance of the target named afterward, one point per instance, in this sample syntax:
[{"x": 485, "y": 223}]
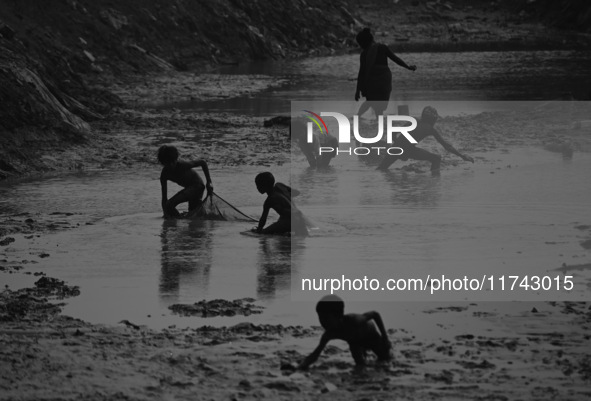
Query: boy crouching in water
[
  {"x": 181, "y": 172},
  {"x": 356, "y": 329},
  {"x": 279, "y": 196}
]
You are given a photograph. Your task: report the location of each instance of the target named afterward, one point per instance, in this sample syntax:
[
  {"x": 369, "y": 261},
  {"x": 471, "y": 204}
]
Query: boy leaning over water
[
  {"x": 358, "y": 330},
  {"x": 181, "y": 172},
  {"x": 425, "y": 128},
  {"x": 298, "y": 134},
  {"x": 279, "y": 196}
]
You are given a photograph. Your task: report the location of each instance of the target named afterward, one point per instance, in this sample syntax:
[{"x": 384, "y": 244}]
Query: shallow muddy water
[
  {"x": 518, "y": 210},
  {"x": 472, "y": 76}
]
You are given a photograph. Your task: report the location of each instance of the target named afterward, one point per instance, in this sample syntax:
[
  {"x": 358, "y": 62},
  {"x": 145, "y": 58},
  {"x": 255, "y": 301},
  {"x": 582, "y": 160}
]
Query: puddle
[
  {"x": 135, "y": 265},
  {"x": 487, "y": 217}
]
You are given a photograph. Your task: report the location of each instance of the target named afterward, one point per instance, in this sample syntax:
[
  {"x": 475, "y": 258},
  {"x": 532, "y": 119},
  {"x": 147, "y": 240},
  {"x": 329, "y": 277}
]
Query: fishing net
[{"x": 216, "y": 208}]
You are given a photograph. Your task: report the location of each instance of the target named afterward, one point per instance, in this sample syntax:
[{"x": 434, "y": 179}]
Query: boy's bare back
[
  {"x": 356, "y": 328},
  {"x": 279, "y": 200},
  {"x": 182, "y": 173}
]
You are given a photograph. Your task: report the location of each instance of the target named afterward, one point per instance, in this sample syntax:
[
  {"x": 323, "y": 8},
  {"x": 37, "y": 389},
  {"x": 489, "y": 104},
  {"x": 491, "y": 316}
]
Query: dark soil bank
[
  {"x": 59, "y": 60},
  {"x": 55, "y": 57}
]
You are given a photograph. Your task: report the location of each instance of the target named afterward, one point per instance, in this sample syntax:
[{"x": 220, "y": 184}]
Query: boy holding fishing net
[
  {"x": 279, "y": 196},
  {"x": 181, "y": 172}
]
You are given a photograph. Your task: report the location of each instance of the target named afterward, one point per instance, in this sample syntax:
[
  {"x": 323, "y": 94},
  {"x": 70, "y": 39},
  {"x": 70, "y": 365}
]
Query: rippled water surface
[
  {"x": 518, "y": 210},
  {"x": 132, "y": 264}
]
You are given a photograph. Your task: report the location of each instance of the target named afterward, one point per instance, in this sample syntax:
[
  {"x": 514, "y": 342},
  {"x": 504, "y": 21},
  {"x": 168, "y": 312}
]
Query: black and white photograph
[{"x": 295, "y": 200}]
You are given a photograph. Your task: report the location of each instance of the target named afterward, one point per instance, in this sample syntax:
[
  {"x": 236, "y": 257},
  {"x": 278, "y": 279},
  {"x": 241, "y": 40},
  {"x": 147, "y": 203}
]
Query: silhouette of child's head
[
  {"x": 364, "y": 38},
  {"x": 330, "y": 309},
  {"x": 264, "y": 181},
  {"x": 429, "y": 115},
  {"x": 167, "y": 154}
]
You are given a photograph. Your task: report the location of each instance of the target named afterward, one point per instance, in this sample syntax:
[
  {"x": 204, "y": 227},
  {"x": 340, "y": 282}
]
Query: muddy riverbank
[
  {"x": 46, "y": 355},
  {"x": 77, "y": 58}
]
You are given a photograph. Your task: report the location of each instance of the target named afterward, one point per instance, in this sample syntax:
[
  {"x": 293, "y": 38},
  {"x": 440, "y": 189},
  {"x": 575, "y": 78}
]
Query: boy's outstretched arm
[
  {"x": 310, "y": 359},
  {"x": 447, "y": 146},
  {"x": 203, "y": 164},
  {"x": 263, "y": 219},
  {"x": 399, "y": 61}
]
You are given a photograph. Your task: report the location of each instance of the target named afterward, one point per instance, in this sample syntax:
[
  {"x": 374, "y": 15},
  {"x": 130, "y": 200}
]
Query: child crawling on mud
[
  {"x": 357, "y": 330},
  {"x": 279, "y": 196},
  {"x": 181, "y": 172}
]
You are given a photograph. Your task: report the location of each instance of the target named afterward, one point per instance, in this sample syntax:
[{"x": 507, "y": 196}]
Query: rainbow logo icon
[{"x": 317, "y": 120}]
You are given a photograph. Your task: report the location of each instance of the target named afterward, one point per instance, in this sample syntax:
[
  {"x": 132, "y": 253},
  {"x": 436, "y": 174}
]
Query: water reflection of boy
[
  {"x": 425, "y": 127},
  {"x": 185, "y": 252},
  {"x": 358, "y": 330},
  {"x": 279, "y": 199},
  {"x": 181, "y": 172},
  {"x": 274, "y": 267},
  {"x": 298, "y": 133}
]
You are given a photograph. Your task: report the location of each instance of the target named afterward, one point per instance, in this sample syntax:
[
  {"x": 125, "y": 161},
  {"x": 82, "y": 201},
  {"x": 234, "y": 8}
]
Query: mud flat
[
  {"x": 45, "y": 355},
  {"x": 48, "y": 356}
]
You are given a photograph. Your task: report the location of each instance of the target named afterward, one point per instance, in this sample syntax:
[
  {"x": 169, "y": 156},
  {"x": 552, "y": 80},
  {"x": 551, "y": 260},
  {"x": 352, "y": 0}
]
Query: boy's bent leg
[
  {"x": 380, "y": 107},
  {"x": 379, "y": 345},
  {"x": 184, "y": 195},
  {"x": 358, "y": 354},
  {"x": 383, "y": 350},
  {"x": 195, "y": 195},
  {"x": 363, "y": 108},
  {"x": 171, "y": 205}
]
